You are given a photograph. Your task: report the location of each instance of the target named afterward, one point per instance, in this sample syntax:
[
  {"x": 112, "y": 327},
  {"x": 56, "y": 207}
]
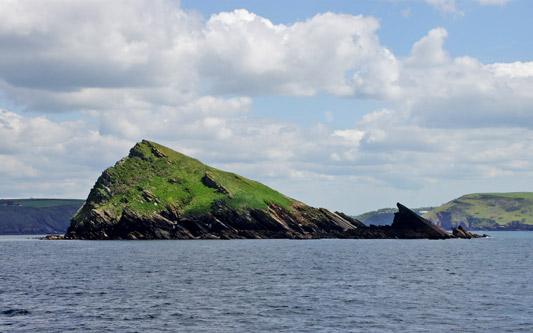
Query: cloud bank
[{"x": 122, "y": 71}]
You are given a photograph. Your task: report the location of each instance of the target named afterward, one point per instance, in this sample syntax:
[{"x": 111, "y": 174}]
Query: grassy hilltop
[
  {"x": 154, "y": 178},
  {"x": 487, "y": 211}
]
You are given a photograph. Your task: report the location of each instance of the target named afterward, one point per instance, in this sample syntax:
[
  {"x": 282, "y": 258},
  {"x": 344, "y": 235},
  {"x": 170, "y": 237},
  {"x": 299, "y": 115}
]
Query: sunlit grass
[{"x": 155, "y": 178}]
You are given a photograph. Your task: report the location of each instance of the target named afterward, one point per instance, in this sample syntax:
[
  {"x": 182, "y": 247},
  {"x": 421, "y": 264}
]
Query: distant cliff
[
  {"x": 36, "y": 216},
  {"x": 486, "y": 211},
  {"x": 157, "y": 193}
]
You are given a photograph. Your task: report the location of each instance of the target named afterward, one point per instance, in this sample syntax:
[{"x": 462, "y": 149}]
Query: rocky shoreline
[
  {"x": 158, "y": 193},
  {"x": 303, "y": 222}
]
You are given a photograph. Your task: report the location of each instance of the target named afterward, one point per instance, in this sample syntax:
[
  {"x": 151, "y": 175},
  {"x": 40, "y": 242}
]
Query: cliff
[
  {"x": 157, "y": 193},
  {"x": 36, "y": 216}
]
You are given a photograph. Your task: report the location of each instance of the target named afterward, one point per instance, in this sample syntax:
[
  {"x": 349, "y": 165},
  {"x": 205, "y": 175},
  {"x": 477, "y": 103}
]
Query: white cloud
[
  {"x": 441, "y": 91},
  {"x": 136, "y": 53},
  {"x": 247, "y": 53},
  {"x": 428, "y": 51},
  {"x": 60, "y": 55},
  {"x": 42, "y": 158},
  {"x": 137, "y": 69}
]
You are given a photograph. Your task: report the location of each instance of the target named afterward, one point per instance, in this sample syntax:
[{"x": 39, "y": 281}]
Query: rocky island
[{"x": 158, "y": 193}]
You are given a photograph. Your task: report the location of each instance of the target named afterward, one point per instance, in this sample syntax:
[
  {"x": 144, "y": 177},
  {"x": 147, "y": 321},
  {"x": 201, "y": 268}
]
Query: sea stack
[
  {"x": 409, "y": 224},
  {"x": 157, "y": 193}
]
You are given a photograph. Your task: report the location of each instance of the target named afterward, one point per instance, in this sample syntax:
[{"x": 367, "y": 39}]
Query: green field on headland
[
  {"x": 511, "y": 211},
  {"x": 478, "y": 211}
]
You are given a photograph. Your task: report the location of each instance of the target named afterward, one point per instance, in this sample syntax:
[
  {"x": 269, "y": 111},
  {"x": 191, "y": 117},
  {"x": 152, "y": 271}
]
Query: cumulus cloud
[
  {"x": 60, "y": 56},
  {"x": 336, "y": 53},
  {"x": 442, "y": 91},
  {"x": 42, "y": 158},
  {"x": 129, "y": 70}
]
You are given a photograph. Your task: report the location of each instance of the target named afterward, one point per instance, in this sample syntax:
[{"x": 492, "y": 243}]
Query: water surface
[{"x": 268, "y": 285}]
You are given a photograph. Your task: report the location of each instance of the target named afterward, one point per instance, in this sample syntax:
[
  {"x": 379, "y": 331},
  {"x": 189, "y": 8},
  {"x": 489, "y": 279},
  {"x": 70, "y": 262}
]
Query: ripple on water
[{"x": 268, "y": 285}]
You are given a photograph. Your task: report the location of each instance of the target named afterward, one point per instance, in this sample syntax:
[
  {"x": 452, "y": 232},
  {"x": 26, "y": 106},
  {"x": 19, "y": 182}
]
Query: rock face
[
  {"x": 411, "y": 225},
  {"x": 223, "y": 222},
  {"x": 460, "y": 232},
  {"x": 157, "y": 193}
]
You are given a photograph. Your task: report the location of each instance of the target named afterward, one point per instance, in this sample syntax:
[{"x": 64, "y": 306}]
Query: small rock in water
[
  {"x": 15, "y": 312},
  {"x": 53, "y": 237}
]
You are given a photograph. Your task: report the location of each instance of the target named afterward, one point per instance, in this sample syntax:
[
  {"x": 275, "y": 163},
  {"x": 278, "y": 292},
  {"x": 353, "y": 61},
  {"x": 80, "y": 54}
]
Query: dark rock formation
[
  {"x": 224, "y": 222},
  {"x": 210, "y": 182},
  {"x": 157, "y": 193},
  {"x": 408, "y": 224},
  {"x": 460, "y": 232}
]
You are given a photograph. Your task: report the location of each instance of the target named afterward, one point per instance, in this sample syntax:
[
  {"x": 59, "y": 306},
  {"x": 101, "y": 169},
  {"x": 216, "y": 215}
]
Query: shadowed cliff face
[{"x": 222, "y": 222}]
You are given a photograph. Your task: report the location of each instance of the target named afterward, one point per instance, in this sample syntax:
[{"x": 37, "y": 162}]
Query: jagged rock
[
  {"x": 149, "y": 196},
  {"x": 409, "y": 224},
  {"x": 209, "y": 181}
]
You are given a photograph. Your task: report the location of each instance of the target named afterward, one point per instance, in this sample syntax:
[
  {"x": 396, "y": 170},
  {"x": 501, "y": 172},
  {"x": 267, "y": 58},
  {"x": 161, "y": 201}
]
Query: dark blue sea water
[{"x": 478, "y": 285}]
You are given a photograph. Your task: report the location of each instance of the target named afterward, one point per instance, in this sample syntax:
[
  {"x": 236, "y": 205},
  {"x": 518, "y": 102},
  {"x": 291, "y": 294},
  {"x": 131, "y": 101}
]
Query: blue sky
[
  {"x": 348, "y": 105},
  {"x": 490, "y": 33}
]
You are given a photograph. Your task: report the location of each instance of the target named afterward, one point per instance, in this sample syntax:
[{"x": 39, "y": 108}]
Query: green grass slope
[
  {"x": 154, "y": 178},
  {"x": 36, "y": 216},
  {"x": 487, "y": 211}
]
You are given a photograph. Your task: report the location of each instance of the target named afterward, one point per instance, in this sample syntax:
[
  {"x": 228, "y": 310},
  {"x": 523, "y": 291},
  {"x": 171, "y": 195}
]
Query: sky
[{"x": 348, "y": 105}]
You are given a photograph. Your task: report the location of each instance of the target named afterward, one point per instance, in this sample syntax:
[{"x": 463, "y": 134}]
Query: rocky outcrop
[
  {"x": 157, "y": 193},
  {"x": 224, "y": 222},
  {"x": 408, "y": 224},
  {"x": 209, "y": 181},
  {"x": 460, "y": 232}
]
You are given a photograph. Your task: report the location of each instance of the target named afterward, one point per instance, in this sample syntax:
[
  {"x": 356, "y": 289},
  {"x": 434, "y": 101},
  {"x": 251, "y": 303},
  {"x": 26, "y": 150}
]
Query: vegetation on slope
[
  {"x": 155, "y": 178},
  {"x": 36, "y": 216},
  {"x": 486, "y": 211}
]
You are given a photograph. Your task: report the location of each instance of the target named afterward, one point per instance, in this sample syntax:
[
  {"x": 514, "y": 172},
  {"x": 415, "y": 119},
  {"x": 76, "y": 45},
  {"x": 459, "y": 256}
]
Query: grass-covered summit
[
  {"x": 153, "y": 178},
  {"x": 488, "y": 211},
  {"x": 156, "y": 192}
]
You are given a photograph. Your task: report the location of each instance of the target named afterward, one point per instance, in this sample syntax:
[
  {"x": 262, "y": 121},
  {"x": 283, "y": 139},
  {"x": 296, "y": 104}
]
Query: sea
[{"x": 328, "y": 285}]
